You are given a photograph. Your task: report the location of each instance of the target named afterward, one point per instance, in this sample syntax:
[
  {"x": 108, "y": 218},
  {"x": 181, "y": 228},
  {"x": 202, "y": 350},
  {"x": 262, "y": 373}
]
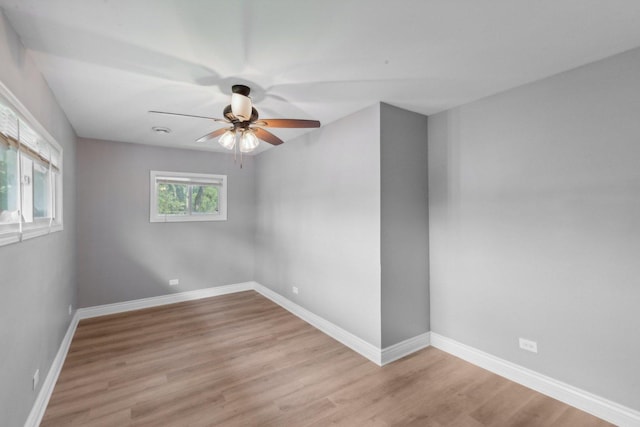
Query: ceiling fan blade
[
  {"x": 288, "y": 123},
  {"x": 216, "y": 133},
  {"x": 190, "y": 115},
  {"x": 267, "y": 136}
]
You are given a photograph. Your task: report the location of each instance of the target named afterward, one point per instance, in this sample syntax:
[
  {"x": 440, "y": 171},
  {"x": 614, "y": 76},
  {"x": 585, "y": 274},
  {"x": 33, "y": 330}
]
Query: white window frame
[
  {"x": 39, "y": 226},
  {"x": 187, "y": 178}
]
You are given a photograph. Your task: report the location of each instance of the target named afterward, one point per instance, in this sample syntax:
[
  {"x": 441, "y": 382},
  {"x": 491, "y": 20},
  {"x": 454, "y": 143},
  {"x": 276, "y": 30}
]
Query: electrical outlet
[
  {"x": 529, "y": 345},
  {"x": 295, "y": 290},
  {"x": 36, "y": 379},
  {"x": 70, "y": 309},
  {"x": 174, "y": 282}
]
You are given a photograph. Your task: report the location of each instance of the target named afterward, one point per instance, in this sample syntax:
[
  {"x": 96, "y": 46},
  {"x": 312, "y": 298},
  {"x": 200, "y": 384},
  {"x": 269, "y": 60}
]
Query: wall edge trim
[
  {"x": 404, "y": 348},
  {"x": 352, "y": 341},
  {"x": 573, "y": 396},
  {"x": 578, "y": 398},
  {"x": 42, "y": 400},
  {"x": 138, "y": 304}
]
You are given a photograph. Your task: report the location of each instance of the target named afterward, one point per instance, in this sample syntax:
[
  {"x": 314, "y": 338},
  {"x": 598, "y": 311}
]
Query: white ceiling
[{"x": 110, "y": 61}]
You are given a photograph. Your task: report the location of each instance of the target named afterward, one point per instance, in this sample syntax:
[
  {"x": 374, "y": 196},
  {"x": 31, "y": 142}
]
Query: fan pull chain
[{"x": 235, "y": 152}]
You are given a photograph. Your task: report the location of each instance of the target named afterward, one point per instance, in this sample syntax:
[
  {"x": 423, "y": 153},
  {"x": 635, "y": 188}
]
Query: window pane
[
  {"x": 41, "y": 192},
  {"x": 26, "y": 173},
  {"x": 184, "y": 197},
  {"x": 172, "y": 199},
  {"x": 55, "y": 177},
  {"x": 30, "y": 178},
  {"x": 9, "y": 185},
  {"x": 204, "y": 199}
]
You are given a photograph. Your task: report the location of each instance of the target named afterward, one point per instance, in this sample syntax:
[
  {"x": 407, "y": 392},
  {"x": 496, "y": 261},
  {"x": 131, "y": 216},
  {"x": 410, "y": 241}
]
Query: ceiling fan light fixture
[
  {"x": 241, "y": 107},
  {"x": 248, "y": 141},
  {"x": 245, "y": 131},
  {"x": 228, "y": 139}
]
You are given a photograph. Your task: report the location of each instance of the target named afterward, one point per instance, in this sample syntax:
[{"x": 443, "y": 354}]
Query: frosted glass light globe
[
  {"x": 228, "y": 139},
  {"x": 248, "y": 141}
]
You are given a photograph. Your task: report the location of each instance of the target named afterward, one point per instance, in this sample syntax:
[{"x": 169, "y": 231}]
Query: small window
[{"x": 181, "y": 196}]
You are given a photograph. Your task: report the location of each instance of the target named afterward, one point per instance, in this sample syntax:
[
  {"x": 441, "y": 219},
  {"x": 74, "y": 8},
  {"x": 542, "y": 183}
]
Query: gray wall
[
  {"x": 318, "y": 222},
  {"x": 37, "y": 277},
  {"x": 122, "y": 256},
  {"x": 535, "y": 225},
  {"x": 404, "y": 227}
]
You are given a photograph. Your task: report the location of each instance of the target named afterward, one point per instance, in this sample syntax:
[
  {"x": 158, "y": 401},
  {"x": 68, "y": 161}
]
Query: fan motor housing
[
  {"x": 241, "y": 89},
  {"x": 228, "y": 114}
]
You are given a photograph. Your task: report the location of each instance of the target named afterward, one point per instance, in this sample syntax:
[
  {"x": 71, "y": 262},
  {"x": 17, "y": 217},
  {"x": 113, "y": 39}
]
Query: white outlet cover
[
  {"x": 70, "y": 309},
  {"x": 528, "y": 345},
  {"x": 174, "y": 282},
  {"x": 295, "y": 290}
]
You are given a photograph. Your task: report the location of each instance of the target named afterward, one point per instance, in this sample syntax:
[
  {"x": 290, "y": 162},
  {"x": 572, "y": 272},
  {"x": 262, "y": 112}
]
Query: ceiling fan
[{"x": 245, "y": 129}]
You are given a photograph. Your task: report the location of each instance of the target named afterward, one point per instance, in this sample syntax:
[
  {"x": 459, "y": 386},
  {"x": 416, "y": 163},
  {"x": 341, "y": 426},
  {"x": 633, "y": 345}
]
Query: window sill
[
  {"x": 30, "y": 233},
  {"x": 9, "y": 238},
  {"x": 186, "y": 218}
]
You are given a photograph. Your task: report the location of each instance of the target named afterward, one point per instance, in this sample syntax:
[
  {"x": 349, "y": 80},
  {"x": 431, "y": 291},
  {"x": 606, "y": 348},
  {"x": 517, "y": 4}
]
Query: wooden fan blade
[
  {"x": 288, "y": 123},
  {"x": 190, "y": 115},
  {"x": 216, "y": 133},
  {"x": 267, "y": 136}
]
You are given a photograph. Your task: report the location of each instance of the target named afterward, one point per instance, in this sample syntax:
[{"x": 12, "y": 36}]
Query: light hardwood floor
[{"x": 241, "y": 360}]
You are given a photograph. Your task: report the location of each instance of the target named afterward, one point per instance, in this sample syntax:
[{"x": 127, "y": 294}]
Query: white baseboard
[
  {"x": 355, "y": 343},
  {"x": 121, "y": 307},
  {"x": 405, "y": 348},
  {"x": 588, "y": 402},
  {"x": 42, "y": 400}
]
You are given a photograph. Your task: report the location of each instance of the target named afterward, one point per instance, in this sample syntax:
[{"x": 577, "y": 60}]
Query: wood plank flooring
[{"x": 241, "y": 360}]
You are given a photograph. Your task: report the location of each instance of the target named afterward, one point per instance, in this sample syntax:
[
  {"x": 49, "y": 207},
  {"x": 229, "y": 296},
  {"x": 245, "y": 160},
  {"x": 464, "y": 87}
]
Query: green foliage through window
[
  {"x": 187, "y": 199},
  {"x": 204, "y": 199},
  {"x": 8, "y": 179}
]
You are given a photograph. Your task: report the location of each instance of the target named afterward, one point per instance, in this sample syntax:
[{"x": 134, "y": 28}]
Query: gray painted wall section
[
  {"x": 534, "y": 226},
  {"x": 318, "y": 222},
  {"x": 122, "y": 256},
  {"x": 37, "y": 277},
  {"x": 404, "y": 224}
]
